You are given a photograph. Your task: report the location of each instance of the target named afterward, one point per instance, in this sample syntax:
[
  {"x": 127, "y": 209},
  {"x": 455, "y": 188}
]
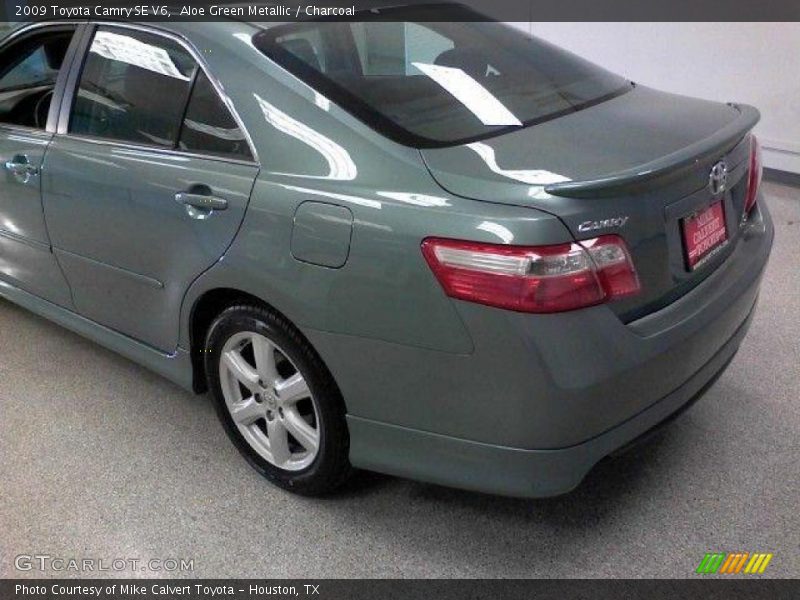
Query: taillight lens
[
  {"x": 537, "y": 279},
  {"x": 755, "y": 173}
]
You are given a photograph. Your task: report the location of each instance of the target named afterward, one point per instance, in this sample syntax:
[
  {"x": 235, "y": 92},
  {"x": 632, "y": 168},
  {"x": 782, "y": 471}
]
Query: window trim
[
  {"x": 33, "y": 29},
  {"x": 71, "y": 91}
]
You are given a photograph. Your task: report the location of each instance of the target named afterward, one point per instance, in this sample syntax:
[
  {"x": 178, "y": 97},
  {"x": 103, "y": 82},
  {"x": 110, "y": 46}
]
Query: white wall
[{"x": 752, "y": 63}]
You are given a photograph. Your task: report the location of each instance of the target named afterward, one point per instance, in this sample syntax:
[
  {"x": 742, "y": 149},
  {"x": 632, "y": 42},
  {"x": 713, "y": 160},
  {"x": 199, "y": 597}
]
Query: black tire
[{"x": 331, "y": 467}]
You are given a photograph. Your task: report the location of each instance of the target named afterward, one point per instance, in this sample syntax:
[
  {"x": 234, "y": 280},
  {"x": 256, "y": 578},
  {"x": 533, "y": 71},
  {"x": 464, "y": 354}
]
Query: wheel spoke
[
  {"x": 242, "y": 371},
  {"x": 278, "y": 442},
  {"x": 292, "y": 389},
  {"x": 247, "y": 411},
  {"x": 264, "y": 353},
  {"x": 271, "y": 411},
  {"x": 306, "y": 435}
]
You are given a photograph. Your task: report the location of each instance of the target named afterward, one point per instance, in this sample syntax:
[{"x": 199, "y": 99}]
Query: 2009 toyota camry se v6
[{"x": 440, "y": 250}]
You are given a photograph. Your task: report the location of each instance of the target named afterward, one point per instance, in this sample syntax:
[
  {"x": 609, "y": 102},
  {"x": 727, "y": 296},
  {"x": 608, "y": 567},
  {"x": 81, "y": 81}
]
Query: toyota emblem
[{"x": 718, "y": 180}]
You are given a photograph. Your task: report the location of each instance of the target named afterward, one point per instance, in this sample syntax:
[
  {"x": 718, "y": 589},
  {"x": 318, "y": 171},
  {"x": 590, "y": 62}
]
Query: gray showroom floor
[{"x": 102, "y": 459}]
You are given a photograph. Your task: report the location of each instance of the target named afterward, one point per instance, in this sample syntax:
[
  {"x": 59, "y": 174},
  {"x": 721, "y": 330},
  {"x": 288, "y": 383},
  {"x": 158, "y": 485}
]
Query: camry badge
[{"x": 603, "y": 224}]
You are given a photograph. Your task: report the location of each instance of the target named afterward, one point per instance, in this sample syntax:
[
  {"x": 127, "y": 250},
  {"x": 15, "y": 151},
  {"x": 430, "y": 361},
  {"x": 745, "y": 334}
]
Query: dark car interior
[{"x": 28, "y": 72}]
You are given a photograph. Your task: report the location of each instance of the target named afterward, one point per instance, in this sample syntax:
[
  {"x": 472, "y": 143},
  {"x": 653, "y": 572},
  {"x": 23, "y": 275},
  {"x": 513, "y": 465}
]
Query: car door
[
  {"x": 31, "y": 63},
  {"x": 147, "y": 180}
]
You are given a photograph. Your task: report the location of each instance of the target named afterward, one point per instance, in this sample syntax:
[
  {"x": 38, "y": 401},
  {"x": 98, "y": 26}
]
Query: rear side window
[
  {"x": 133, "y": 88},
  {"x": 209, "y": 127}
]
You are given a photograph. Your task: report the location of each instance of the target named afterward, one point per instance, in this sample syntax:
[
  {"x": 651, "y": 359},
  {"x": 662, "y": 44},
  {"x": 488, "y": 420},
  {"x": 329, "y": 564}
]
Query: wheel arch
[{"x": 207, "y": 307}]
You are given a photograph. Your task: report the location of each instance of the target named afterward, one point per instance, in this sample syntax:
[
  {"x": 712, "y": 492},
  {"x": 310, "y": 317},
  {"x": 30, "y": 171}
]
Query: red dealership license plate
[{"x": 704, "y": 233}]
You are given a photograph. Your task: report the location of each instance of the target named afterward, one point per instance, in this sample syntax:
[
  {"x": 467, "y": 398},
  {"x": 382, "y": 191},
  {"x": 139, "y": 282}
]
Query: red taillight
[
  {"x": 755, "y": 173},
  {"x": 537, "y": 279}
]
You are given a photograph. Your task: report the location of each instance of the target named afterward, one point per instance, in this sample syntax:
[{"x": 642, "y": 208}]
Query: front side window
[
  {"x": 133, "y": 88},
  {"x": 429, "y": 84},
  {"x": 28, "y": 72}
]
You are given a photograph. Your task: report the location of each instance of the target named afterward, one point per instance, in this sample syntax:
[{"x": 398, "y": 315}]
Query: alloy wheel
[{"x": 269, "y": 401}]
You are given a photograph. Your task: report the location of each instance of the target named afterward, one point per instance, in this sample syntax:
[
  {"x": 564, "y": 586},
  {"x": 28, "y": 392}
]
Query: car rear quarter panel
[
  {"x": 311, "y": 150},
  {"x": 546, "y": 382}
]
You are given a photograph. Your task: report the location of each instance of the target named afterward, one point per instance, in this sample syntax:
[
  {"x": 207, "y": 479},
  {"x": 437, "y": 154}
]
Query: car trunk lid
[{"x": 637, "y": 165}]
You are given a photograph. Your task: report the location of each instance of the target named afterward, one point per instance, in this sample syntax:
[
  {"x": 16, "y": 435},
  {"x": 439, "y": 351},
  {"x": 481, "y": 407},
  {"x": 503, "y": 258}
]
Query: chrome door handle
[{"x": 201, "y": 201}]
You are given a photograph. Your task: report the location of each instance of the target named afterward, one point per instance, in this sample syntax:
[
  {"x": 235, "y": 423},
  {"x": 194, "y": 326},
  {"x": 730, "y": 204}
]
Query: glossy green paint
[
  {"x": 436, "y": 389},
  {"x": 27, "y": 261},
  {"x": 128, "y": 249},
  {"x": 321, "y": 234}
]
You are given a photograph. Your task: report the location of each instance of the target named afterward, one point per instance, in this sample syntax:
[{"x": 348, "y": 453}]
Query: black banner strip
[
  {"x": 707, "y": 587},
  {"x": 501, "y": 10}
]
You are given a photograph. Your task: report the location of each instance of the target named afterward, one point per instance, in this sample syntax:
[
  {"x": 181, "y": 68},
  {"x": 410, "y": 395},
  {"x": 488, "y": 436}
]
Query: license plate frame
[{"x": 704, "y": 234}]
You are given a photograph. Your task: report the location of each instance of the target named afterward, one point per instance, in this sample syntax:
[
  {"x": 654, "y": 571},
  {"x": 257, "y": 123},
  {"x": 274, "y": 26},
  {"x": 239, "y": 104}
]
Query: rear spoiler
[{"x": 672, "y": 164}]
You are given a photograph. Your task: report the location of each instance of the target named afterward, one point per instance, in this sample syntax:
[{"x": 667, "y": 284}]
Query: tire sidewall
[{"x": 238, "y": 320}]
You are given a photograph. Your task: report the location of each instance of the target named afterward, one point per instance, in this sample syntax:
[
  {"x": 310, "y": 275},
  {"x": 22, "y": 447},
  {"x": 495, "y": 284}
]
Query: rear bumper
[
  {"x": 508, "y": 471},
  {"x": 543, "y": 397}
]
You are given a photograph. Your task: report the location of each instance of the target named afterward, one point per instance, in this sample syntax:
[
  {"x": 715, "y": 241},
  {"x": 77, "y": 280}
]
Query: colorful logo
[{"x": 731, "y": 563}]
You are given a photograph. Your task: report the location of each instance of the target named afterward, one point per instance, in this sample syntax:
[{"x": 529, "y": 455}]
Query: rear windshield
[{"x": 427, "y": 84}]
